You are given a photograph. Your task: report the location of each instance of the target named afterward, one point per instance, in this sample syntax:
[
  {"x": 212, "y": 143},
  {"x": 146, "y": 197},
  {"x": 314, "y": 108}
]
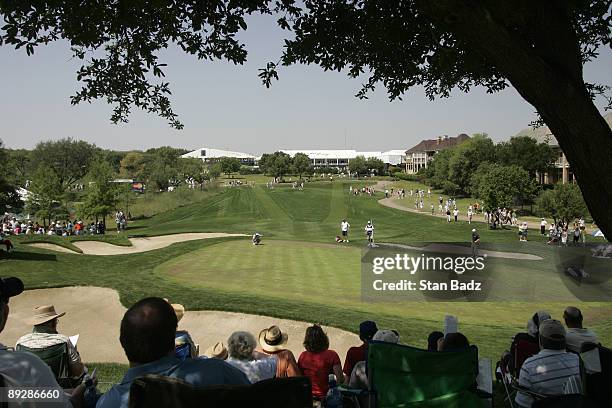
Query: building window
[{"x": 202, "y": 153}]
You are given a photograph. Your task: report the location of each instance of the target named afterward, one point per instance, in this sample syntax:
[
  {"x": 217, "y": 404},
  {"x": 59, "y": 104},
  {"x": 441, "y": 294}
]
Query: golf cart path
[
  {"x": 393, "y": 202},
  {"x": 462, "y": 250},
  {"x": 143, "y": 244},
  {"x": 95, "y": 314}
]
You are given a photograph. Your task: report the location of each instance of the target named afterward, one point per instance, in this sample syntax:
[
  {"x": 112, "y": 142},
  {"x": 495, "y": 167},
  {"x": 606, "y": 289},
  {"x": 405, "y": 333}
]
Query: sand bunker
[
  {"x": 52, "y": 247},
  {"x": 462, "y": 250},
  {"x": 146, "y": 243},
  {"x": 95, "y": 313}
]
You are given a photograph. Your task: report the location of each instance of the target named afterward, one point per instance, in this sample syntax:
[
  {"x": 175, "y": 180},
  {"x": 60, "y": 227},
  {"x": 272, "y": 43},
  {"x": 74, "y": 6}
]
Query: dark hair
[
  {"x": 432, "y": 340},
  {"x": 552, "y": 344},
  {"x": 315, "y": 339},
  {"x": 147, "y": 330},
  {"x": 573, "y": 316},
  {"x": 455, "y": 342}
]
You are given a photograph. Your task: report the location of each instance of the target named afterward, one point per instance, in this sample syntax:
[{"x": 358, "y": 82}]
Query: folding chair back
[
  {"x": 403, "y": 376},
  {"x": 522, "y": 349},
  {"x": 166, "y": 392},
  {"x": 597, "y": 385},
  {"x": 57, "y": 358}
]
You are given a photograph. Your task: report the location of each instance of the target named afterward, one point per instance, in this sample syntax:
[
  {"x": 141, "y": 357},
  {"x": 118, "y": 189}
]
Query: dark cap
[
  {"x": 10, "y": 287},
  {"x": 367, "y": 329}
]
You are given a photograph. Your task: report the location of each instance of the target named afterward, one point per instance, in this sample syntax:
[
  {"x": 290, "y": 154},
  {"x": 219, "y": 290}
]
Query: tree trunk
[{"x": 548, "y": 75}]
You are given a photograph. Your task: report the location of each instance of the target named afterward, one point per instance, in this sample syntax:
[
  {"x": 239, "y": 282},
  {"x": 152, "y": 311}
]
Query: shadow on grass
[{"x": 28, "y": 256}]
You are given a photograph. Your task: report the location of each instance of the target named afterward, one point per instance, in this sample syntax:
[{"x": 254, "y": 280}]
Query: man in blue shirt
[{"x": 147, "y": 336}]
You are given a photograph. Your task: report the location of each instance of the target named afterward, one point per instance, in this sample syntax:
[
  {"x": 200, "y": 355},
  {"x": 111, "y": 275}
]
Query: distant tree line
[
  {"x": 62, "y": 175},
  {"x": 503, "y": 175}
]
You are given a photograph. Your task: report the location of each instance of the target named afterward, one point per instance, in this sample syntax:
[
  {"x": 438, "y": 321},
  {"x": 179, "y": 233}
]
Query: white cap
[
  {"x": 388, "y": 336},
  {"x": 473, "y": 229}
]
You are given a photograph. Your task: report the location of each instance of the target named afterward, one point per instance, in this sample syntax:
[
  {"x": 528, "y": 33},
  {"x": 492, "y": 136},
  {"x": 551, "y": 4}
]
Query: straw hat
[
  {"x": 179, "y": 310},
  {"x": 217, "y": 351},
  {"x": 272, "y": 339},
  {"x": 43, "y": 314}
]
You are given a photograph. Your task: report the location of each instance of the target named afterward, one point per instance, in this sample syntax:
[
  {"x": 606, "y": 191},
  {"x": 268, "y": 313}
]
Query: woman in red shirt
[{"x": 318, "y": 362}]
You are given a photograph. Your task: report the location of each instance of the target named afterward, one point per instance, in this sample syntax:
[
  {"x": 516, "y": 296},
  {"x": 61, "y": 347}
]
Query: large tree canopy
[{"x": 537, "y": 46}]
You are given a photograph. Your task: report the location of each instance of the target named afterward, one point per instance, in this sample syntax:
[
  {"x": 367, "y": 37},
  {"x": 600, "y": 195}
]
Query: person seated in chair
[
  {"x": 21, "y": 369},
  {"x": 273, "y": 342},
  {"x": 318, "y": 361},
  {"x": 240, "y": 347},
  {"x": 548, "y": 372},
  {"x": 529, "y": 341},
  {"x": 367, "y": 330},
  {"x": 453, "y": 342},
  {"x": 45, "y": 335},
  {"x": 359, "y": 375},
  {"x": 184, "y": 345},
  {"x": 147, "y": 337},
  {"x": 576, "y": 335}
]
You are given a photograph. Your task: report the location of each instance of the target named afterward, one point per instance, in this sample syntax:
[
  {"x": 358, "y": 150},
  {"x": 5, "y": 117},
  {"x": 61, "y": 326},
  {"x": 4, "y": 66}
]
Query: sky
[{"x": 226, "y": 107}]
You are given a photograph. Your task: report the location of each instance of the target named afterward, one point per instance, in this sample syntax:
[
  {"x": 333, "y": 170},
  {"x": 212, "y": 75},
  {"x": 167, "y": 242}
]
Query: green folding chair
[
  {"x": 57, "y": 358},
  {"x": 406, "y": 377}
]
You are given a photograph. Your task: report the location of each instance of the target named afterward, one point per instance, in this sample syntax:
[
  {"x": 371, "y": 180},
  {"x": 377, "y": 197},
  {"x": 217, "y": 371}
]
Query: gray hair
[{"x": 241, "y": 345}]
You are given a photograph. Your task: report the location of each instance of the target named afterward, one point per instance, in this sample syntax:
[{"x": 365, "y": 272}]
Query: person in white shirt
[
  {"x": 549, "y": 371},
  {"x": 576, "y": 335},
  {"x": 456, "y": 213},
  {"x": 344, "y": 227},
  {"x": 470, "y": 213},
  {"x": 240, "y": 347},
  {"x": 369, "y": 230},
  {"x": 543, "y": 227},
  {"x": 20, "y": 369}
]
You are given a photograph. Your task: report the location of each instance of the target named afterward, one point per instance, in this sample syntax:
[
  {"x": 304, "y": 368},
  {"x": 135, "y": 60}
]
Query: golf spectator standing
[
  {"x": 475, "y": 242},
  {"x": 543, "y": 227},
  {"x": 318, "y": 361},
  {"x": 576, "y": 335},
  {"x": 456, "y": 213},
  {"x": 367, "y": 330},
  {"x": 448, "y": 214},
  {"x": 273, "y": 342},
  {"x": 44, "y": 335},
  {"x": 470, "y": 213},
  {"x": 147, "y": 336},
  {"x": 549, "y": 371}
]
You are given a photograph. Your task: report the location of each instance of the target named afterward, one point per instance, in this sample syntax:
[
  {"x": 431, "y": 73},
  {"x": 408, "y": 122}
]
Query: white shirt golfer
[
  {"x": 369, "y": 230},
  {"x": 344, "y": 227}
]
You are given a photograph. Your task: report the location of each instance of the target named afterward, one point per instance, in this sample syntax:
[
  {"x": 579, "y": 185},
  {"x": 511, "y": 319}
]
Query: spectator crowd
[{"x": 549, "y": 350}]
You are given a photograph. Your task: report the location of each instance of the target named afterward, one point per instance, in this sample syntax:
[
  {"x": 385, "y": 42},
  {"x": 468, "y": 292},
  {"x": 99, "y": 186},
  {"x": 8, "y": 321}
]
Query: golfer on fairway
[
  {"x": 344, "y": 227},
  {"x": 475, "y": 242},
  {"x": 369, "y": 230},
  {"x": 256, "y": 238}
]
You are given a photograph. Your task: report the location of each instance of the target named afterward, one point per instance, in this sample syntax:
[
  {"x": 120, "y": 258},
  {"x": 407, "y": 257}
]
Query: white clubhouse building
[{"x": 318, "y": 158}]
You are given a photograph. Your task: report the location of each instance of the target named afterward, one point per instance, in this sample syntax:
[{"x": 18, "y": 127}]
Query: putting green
[{"x": 283, "y": 269}]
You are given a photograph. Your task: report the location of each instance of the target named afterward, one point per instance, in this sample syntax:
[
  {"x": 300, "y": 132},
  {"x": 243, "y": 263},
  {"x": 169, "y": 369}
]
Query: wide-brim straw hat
[
  {"x": 273, "y": 339},
  {"x": 43, "y": 314},
  {"x": 219, "y": 350},
  {"x": 179, "y": 310}
]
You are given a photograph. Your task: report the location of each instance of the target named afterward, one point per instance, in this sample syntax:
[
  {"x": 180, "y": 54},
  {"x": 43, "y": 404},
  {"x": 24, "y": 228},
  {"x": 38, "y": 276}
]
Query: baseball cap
[
  {"x": 473, "y": 229},
  {"x": 10, "y": 287},
  {"x": 552, "y": 329},
  {"x": 367, "y": 329},
  {"x": 388, "y": 336}
]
